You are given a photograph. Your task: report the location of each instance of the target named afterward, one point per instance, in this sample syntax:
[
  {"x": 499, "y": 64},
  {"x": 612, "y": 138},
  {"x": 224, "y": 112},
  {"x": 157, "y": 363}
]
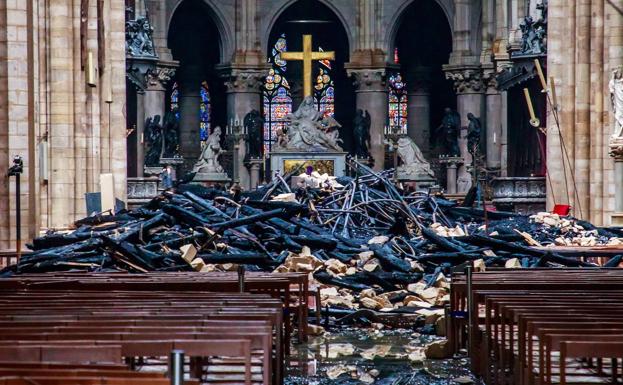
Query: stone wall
[
  {"x": 44, "y": 95},
  {"x": 584, "y": 45}
]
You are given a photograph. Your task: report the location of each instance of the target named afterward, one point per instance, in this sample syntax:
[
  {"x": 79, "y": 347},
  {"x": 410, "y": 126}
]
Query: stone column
[
  {"x": 371, "y": 94},
  {"x": 504, "y": 134},
  {"x": 155, "y": 92},
  {"x": 616, "y": 151},
  {"x": 469, "y": 89},
  {"x": 418, "y": 107},
  {"x": 243, "y": 95},
  {"x": 140, "y": 132},
  {"x": 255, "y": 167},
  {"x": 190, "y": 100},
  {"x": 493, "y": 121},
  {"x": 150, "y": 102}
]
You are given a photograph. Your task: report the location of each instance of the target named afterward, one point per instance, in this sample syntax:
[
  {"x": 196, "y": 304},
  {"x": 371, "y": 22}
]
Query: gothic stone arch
[
  {"x": 394, "y": 13},
  {"x": 271, "y": 10},
  {"x": 222, "y": 16}
]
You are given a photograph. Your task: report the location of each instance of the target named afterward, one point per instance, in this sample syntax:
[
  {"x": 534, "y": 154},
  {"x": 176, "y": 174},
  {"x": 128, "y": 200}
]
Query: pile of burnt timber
[{"x": 363, "y": 239}]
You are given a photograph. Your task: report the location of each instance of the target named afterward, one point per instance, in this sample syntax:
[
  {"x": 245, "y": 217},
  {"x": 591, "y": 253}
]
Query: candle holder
[{"x": 235, "y": 134}]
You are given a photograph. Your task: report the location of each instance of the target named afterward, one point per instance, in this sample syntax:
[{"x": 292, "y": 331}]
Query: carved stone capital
[
  {"x": 244, "y": 81},
  {"x": 616, "y": 150},
  {"x": 466, "y": 79},
  {"x": 489, "y": 79},
  {"x": 159, "y": 77},
  {"x": 369, "y": 79}
]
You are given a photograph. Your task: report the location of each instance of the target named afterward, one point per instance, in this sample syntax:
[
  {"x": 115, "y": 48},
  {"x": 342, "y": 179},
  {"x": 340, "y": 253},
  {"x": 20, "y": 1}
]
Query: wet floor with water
[{"x": 368, "y": 356}]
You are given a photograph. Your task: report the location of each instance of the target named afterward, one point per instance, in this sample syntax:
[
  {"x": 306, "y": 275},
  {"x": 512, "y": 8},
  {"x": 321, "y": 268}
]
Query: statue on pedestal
[
  {"x": 208, "y": 160},
  {"x": 449, "y": 131},
  {"x": 253, "y": 124},
  {"x": 413, "y": 162},
  {"x": 310, "y": 131},
  {"x": 171, "y": 136},
  {"x": 361, "y": 130},
  {"x": 616, "y": 97},
  {"x": 154, "y": 140}
]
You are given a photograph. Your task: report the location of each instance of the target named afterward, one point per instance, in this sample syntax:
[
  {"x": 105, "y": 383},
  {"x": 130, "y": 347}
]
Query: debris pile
[{"x": 368, "y": 245}]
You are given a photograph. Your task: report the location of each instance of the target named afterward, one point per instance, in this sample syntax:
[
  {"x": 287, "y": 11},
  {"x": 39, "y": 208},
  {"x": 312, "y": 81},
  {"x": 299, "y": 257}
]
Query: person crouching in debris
[{"x": 167, "y": 177}]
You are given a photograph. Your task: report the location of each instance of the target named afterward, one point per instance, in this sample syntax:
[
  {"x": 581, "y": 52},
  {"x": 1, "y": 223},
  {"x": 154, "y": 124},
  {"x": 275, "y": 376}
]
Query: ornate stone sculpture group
[
  {"x": 414, "y": 164},
  {"x": 138, "y": 37},
  {"x": 208, "y": 162},
  {"x": 310, "y": 131},
  {"x": 534, "y": 33}
]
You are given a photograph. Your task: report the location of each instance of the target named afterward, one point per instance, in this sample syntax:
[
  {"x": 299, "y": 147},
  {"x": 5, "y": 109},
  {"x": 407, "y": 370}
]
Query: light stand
[{"x": 16, "y": 170}]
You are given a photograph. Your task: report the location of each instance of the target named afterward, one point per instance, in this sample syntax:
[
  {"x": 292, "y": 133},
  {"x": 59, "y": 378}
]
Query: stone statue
[
  {"x": 253, "y": 125},
  {"x": 171, "y": 136},
  {"x": 449, "y": 130},
  {"x": 282, "y": 138},
  {"x": 413, "y": 162},
  {"x": 138, "y": 38},
  {"x": 534, "y": 33},
  {"x": 208, "y": 160},
  {"x": 464, "y": 180},
  {"x": 616, "y": 97},
  {"x": 308, "y": 130},
  {"x": 153, "y": 144},
  {"x": 527, "y": 34},
  {"x": 473, "y": 133},
  {"x": 361, "y": 130}
]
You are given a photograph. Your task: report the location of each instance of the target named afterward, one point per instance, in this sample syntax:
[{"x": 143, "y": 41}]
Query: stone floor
[{"x": 368, "y": 356}]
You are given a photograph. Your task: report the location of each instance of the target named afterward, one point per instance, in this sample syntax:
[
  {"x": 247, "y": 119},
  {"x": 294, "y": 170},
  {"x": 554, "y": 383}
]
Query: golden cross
[{"x": 307, "y": 56}]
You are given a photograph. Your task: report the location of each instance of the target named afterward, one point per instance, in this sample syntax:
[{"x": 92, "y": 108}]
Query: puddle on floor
[{"x": 367, "y": 356}]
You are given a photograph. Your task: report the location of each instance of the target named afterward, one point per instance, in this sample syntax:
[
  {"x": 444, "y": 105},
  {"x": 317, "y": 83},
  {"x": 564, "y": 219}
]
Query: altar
[
  {"x": 331, "y": 163},
  {"x": 310, "y": 139}
]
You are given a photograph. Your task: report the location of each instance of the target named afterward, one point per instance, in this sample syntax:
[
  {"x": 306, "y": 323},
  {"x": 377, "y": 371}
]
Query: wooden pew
[
  {"x": 521, "y": 322},
  {"x": 188, "y": 322}
]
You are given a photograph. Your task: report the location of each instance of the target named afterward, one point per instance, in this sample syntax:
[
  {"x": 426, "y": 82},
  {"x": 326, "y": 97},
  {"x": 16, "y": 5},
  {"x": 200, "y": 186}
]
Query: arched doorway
[
  {"x": 417, "y": 86},
  {"x": 196, "y": 95},
  {"x": 283, "y": 89}
]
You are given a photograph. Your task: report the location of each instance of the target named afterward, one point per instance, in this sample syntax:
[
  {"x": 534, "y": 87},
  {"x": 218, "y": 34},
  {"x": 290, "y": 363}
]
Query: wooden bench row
[
  {"x": 292, "y": 288},
  {"x": 55, "y": 373},
  {"x": 557, "y": 326},
  {"x": 149, "y": 317}
]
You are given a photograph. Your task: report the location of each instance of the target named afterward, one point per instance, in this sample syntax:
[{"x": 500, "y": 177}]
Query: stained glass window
[
  {"x": 276, "y": 96},
  {"x": 204, "y": 108},
  {"x": 397, "y": 102},
  {"x": 324, "y": 91},
  {"x": 175, "y": 100},
  {"x": 204, "y": 112},
  {"x": 277, "y": 100}
]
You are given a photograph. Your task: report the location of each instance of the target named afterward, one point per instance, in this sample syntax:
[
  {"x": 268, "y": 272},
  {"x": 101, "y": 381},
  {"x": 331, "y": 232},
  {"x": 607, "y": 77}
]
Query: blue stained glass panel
[{"x": 204, "y": 112}]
